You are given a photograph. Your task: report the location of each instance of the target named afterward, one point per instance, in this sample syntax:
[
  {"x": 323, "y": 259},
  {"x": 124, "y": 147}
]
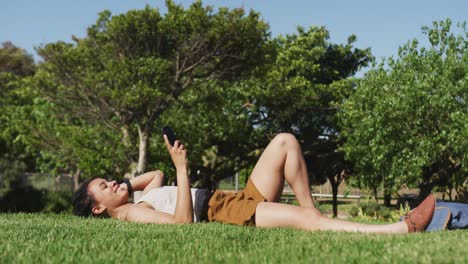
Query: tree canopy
[
  {"x": 298, "y": 89},
  {"x": 96, "y": 106},
  {"x": 407, "y": 122},
  {"x": 15, "y": 64},
  {"x": 131, "y": 68}
]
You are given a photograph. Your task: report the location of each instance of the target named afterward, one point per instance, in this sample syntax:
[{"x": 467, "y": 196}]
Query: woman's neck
[{"x": 120, "y": 212}]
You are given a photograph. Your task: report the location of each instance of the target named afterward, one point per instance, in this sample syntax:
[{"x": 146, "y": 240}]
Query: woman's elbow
[
  {"x": 184, "y": 220},
  {"x": 158, "y": 174},
  {"x": 158, "y": 178}
]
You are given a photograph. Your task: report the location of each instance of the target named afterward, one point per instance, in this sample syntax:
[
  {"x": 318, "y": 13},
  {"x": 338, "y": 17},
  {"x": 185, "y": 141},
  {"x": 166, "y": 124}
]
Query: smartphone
[{"x": 170, "y": 135}]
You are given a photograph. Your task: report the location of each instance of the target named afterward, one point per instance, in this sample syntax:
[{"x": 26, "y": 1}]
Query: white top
[{"x": 164, "y": 199}]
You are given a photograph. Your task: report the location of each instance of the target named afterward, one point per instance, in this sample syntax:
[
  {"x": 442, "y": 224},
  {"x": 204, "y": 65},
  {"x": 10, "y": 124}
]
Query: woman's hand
[
  {"x": 184, "y": 206},
  {"x": 178, "y": 153}
]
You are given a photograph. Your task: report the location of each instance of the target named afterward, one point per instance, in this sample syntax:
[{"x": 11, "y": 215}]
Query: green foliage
[
  {"x": 61, "y": 143},
  {"x": 131, "y": 68},
  {"x": 65, "y": 238},
  {"x": 57, "y": 202},
  {"x": 221, "y": 139},
  {"x": 22, "y": 198},
  {"x": 94, "y": 104},
  {"x": 301, "y": 92},
  {"x": 11, "y": 168},
  {"x": 235, "y": 121},
  {"x": 373, "y": 211},
  {"x": 408, "y": 122},
  {"x": 15, "y": 60},
  {"x": 323, "y": 207},
  {"x": 306, "y": 82},
  {"x": 15, "y": 157}
]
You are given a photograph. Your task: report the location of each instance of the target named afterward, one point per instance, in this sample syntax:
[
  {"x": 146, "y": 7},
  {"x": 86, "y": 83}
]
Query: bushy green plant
[
  {"x": 406, "y": 121},
  {"x": 22, "y": 199},
  {"x": 57, "y": 202},
  {"x": 322, "y": 207},
  {"x": 355, "y": 211},
  {"x": 372, "y": 210}
]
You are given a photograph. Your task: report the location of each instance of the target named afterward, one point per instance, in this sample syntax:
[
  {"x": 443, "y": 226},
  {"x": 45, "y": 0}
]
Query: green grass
[{"x": 49, "y": 238}]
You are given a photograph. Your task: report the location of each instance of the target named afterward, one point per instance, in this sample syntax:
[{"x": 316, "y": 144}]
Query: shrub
[
  {"x": 355, "y": 211},
  {"x": 29, "y": 199},
  {"x": 23, "y": 199},
  {"x": 373, "y": 210},
  {"x": 57, "y": 202},
  {"x": 322, "y": 207}
]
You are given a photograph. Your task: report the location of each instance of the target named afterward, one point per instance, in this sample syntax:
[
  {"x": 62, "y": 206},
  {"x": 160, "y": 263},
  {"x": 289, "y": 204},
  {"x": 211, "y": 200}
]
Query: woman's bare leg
[
  {"x": 282, "y": 159},
  {"x": 285, "y": 215}
]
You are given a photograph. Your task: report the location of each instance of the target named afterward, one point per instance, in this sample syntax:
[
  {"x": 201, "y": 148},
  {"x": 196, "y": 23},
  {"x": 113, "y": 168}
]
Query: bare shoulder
[{"x": 144, "y": 213}]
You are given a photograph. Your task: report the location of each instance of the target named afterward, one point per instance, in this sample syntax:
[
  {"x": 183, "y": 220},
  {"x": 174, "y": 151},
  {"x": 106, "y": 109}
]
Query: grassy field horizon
[{"x": 50, "y": 238}]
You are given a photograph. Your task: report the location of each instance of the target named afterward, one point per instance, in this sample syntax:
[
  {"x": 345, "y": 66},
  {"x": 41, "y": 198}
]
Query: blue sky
[{"x": 381, "y": 25}]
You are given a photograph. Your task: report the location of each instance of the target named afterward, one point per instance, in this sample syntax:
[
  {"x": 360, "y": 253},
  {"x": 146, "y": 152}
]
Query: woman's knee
[{"x": 285, "y": 139}]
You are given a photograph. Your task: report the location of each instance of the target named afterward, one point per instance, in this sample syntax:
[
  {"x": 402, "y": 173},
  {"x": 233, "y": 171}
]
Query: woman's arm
[
  {"x": 184, "y": 206},
  {"x": 148, "y": 181}
]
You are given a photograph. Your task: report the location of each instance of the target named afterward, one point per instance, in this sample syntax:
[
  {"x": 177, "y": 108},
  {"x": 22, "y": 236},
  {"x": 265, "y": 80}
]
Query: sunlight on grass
[{"x": 34, "y": 238}]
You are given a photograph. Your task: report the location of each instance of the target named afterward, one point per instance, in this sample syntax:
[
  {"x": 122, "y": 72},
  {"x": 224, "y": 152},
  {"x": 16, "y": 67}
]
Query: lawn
[{"x": 39, "y": 238}]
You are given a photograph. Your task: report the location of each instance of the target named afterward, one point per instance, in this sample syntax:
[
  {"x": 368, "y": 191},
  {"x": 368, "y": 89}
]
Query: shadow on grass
[
  {"x": 29, "y": 199},
  {"x": 23, "y": 199}
]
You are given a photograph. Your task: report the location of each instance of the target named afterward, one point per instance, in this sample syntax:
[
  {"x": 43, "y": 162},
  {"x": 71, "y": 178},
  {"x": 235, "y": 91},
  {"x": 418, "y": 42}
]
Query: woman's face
[{"x": 107, "y": 194}]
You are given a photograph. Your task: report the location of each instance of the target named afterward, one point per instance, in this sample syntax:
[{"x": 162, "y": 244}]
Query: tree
[
  {"x": 15, "y": 60},
  {"x": 221, "y": 139},
  {"x": 302, "y": 92},
  {"x": 407, "y": 122},
  {"x": 131, "y": 68},
  {"x": 15, "y": 64},
  {"x": 298, "y": 89}
]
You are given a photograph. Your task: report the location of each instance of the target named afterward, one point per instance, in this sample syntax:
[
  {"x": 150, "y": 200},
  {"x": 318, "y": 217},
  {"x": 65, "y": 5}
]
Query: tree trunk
[
  {"x": 128, "y": 144},
  {"x": 76, "y": 180},
  {"x": 334, "y": 182},
  {"x": 387, "y": 198},
  {"x": 143, "y": 135},
  {"x": 126, "y": 136},
  {"x": 335, "y": 198},
  {"x": 425, "y": 189},
  {"x": 376, "y": 194}
]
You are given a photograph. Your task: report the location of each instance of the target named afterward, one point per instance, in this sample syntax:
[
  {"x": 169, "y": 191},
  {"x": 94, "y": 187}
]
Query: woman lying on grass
[{"x": 258, "y": 204}]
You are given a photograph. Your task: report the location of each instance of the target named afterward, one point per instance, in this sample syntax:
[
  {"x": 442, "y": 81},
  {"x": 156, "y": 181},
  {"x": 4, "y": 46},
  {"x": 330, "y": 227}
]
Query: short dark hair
[{"x": 83, "y": 200}]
